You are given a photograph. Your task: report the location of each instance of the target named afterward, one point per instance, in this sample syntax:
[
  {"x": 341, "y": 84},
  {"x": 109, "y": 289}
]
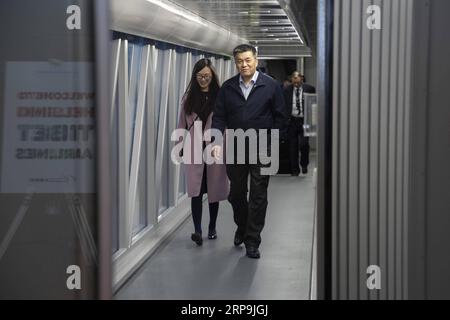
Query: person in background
[
  {"x": 286, "y": 82},
  {"x": 197, "y": 105},
  {"x": 276, "y": 80},
  {"x": 293, "y": 96}
]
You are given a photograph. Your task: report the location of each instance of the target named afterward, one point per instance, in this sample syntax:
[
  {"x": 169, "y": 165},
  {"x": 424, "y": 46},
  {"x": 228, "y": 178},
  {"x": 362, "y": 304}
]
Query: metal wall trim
[
  {"x": 324, "y": 166},
  {"x": 152, "y": 205},
  {"x": 138, "y": 134},
  {"x": 123, "y": 148}
]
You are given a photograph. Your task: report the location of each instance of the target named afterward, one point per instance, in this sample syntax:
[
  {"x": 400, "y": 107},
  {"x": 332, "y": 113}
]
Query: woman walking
[{"x": 197, "y": 105}]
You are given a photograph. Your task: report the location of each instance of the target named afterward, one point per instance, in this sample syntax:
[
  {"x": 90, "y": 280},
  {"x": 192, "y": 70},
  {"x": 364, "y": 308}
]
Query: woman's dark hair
[{"x": 193, "y": 100}]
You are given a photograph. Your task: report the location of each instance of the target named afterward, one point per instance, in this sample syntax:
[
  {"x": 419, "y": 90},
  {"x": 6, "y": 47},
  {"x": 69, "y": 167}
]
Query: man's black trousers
[
  {"x": 296, "y": 135},
  {"x": 249, "y": 215}
]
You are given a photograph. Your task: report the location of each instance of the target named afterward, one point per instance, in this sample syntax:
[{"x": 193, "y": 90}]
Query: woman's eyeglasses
[{"x": 203, "y": 77}]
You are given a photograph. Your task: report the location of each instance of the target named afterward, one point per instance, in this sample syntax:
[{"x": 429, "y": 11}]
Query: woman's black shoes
[
  {"x": 212, "y": 235},
  {"x": 197, "y": 238}
]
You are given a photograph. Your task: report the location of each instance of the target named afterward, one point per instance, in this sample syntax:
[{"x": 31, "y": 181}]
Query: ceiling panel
[{"x": 265, "y": 23}]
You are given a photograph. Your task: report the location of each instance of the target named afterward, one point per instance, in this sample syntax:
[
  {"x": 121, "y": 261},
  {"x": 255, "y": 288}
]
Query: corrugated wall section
[{"x": 372, "y": 80}]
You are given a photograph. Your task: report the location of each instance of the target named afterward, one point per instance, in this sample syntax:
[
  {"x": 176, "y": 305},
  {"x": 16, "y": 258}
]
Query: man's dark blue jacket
[{"x": 264, "y": 108}]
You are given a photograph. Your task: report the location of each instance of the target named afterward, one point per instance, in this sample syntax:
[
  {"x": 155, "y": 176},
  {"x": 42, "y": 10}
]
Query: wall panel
[
  {"x": 370, "y": 142},
  {"x": 147, "y": 88}
]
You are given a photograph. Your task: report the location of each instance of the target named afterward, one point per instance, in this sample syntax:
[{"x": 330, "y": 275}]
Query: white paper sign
[{"x": 48, "y": 128}]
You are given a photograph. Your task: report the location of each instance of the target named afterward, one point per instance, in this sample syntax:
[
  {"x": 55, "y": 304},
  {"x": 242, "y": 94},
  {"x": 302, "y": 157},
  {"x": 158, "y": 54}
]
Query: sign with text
[{"x": 48, "y": 128}]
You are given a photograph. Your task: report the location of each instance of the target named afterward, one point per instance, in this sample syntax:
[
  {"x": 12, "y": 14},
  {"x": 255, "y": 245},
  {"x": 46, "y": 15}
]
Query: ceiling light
[{"x": 185, "y": 14}]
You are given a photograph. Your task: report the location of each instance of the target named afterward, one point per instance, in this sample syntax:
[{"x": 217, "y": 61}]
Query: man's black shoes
[
  {"x": 238, "y": 239},
  {"x": 253, "y": 252},
  {"x": 305, "y": 170}
]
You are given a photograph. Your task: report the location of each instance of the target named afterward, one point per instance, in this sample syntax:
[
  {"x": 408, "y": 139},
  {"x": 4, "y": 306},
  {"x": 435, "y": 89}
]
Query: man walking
[
  {"x": 294, "y": 98},
  {"x": 249, "y": 101}
]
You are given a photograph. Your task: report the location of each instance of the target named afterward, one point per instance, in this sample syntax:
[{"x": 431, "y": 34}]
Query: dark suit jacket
[
  {"x": 288, "y": 95},
  {"x": 264, "y": 108}
]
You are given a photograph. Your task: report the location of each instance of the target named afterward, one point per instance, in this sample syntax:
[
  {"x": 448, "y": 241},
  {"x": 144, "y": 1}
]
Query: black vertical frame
[{"x": 325, "y": 17}]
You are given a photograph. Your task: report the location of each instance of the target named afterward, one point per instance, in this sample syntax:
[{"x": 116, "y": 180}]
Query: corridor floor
[{"x": 181, "y": 270}]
